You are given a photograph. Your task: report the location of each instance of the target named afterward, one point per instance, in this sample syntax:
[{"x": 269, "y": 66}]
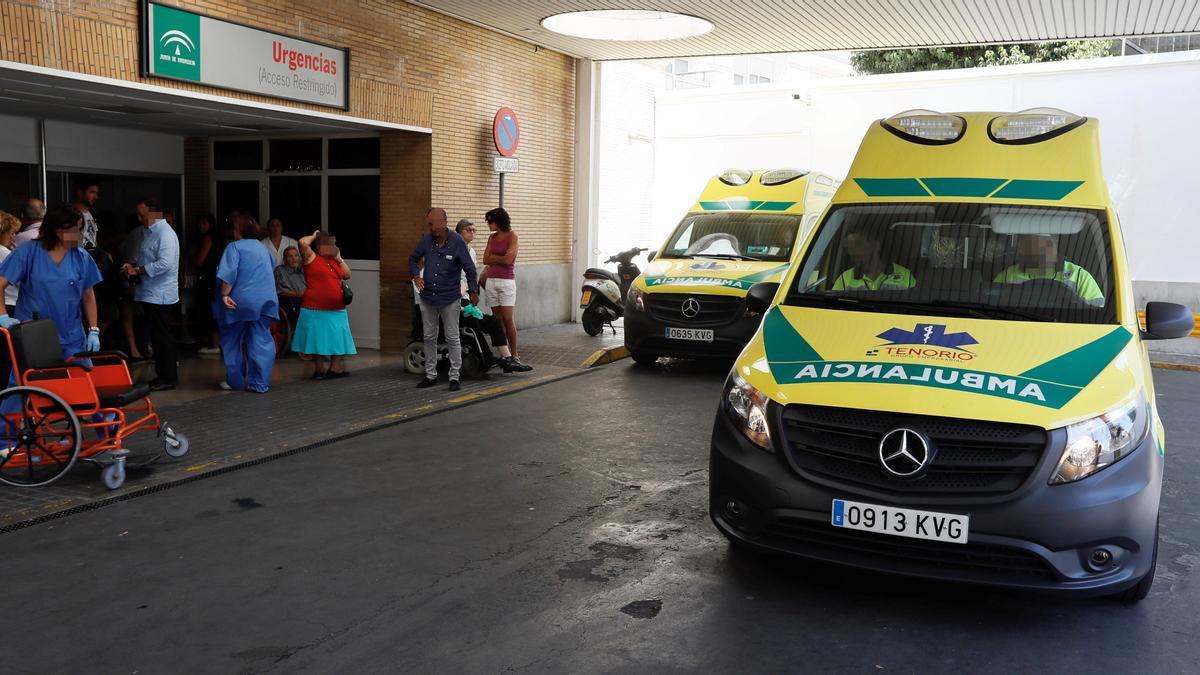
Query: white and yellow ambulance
[
  {"x": 951, "y": 381},
  {"x": 690, "y": 301}
]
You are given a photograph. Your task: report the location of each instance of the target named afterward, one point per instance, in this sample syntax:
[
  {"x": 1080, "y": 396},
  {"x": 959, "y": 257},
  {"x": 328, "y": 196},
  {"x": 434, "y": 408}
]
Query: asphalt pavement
[{"x": 562, "y": 528}]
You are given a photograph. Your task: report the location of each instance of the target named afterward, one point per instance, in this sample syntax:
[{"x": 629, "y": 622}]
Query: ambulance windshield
[
  {"x": 735, "y": 236},
  {"x": 1000, "y": 261}
]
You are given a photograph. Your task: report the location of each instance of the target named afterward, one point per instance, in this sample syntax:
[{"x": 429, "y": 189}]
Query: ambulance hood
[{"x": 1041, "y": 374}]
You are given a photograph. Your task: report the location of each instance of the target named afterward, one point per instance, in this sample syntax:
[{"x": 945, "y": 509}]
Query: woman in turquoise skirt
[{"x": 323, "y": 329}]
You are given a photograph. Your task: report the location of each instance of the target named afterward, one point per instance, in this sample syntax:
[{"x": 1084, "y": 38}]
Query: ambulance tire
[
  {"x": 644, "y": 359},
  {"x": 1138, "y": 592}
]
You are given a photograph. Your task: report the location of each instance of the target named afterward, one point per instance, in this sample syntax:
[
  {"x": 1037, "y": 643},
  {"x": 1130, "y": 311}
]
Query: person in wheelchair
[
  {"x": 1039, "y": 259},
  {"x": 487, "y": 325},
  {"x": 870, "y": 271},
  {"x": 289, "y": 283}
]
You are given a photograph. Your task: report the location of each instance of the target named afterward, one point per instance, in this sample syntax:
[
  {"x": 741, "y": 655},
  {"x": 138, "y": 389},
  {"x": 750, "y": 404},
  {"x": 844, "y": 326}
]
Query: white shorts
[{"x": 500, "y": 292}]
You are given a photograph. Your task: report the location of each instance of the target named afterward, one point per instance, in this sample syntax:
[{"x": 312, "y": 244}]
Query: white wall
[
  {"x": 1146, "y": 105},
  {"x": 625, "y": 156}
]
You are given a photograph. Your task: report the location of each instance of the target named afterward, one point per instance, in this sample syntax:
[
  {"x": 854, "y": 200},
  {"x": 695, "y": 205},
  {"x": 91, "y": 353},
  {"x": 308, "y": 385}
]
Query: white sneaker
[
  {"x": 209, "y": 351},
  {"x": 225, "y": 385}
]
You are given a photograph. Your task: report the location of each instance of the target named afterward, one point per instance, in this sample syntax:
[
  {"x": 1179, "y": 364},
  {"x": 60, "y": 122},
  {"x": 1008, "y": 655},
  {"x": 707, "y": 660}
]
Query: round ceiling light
[{"x": 633, "y": 25}]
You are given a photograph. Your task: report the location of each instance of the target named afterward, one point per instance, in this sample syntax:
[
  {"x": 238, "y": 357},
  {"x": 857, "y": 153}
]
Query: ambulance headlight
[
  {"x": 780, "y": 176},
  {"x": 736, "y": 177},
  {"x": 1033, "y": 125},
  {"x": 1102, "y": 441},
  {"x": 637, "y": 298},
  {"x": 926, "y": 126},
  {"x": 747, "y": 407}
]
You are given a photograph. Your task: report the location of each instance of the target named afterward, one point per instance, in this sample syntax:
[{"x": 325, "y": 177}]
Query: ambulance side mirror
[
  {"x": 1166, "y": 321},
  {"x": 651, "y": 256},
  {"x": 760, "y": 295}
]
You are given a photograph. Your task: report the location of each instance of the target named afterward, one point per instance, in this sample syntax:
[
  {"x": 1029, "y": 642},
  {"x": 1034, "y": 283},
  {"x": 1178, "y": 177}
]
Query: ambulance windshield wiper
[
  {"x": 726, "y": 256},
  {"x": 833, "y": 300},
  {"x": 986, "y": 311}
]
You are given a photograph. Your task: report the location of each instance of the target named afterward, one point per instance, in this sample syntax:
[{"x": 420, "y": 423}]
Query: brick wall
[
  {"x": 404, "y": 157},
  {"x": 408, "y": 65}
]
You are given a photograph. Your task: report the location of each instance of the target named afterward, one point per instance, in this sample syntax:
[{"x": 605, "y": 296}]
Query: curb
[
  {"x": 1168, "y": 365},
  {"x": 606, "y": 355}
]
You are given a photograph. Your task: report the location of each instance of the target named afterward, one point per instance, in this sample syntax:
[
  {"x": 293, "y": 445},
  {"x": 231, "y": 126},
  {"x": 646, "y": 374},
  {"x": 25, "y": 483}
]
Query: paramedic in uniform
[
  {"x": 870, "y": 272},
  {"x": 1039, "y": 260}
]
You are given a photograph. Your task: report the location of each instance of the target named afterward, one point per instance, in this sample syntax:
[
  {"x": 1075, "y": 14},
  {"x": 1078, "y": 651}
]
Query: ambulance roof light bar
[
  {"x": 1032, "y": 125},
  {"x": 736, "y": 177},
  {"x": 926, "y": 127},
  {"x": 780, "y": 176}
]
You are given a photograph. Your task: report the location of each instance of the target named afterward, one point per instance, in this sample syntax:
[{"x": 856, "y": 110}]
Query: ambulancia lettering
[{"x": 953, "y": 378}]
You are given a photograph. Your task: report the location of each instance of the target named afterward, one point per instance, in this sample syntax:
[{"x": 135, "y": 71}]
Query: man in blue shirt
[
  {"x": 156, "y": 271},
  {"x": 447, "y": 259}
]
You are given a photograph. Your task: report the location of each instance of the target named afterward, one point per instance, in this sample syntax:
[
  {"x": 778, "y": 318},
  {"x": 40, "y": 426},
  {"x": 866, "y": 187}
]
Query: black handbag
[{"x": 347, "y": 292}]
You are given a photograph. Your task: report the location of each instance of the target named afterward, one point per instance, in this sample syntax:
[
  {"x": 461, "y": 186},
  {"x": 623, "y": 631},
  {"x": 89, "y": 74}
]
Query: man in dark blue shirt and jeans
[{"x": 446, "y": 260}]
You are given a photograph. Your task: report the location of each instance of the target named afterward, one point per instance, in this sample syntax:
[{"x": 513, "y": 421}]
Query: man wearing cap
[{"x": 1039, "y": 260}]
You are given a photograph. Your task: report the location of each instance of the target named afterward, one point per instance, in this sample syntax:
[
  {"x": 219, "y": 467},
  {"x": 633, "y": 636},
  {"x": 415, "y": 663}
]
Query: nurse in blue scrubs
[
  {"x": 246, "y": 308},
  {"x": 56, "y": 279}
]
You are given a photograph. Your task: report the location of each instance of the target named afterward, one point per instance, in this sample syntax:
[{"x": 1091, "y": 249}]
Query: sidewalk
[{"x": 229, "y": 430}]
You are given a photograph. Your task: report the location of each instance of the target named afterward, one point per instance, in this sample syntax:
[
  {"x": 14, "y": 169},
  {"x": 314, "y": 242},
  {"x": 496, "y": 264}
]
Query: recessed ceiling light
[{"x": 633, "y": 25}]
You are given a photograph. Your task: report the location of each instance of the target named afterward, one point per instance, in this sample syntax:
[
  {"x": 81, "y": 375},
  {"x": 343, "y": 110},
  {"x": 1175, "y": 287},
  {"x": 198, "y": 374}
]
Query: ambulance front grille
[
  {"x": 710, "y": 310},
  {"x": 972, "y": 458}
]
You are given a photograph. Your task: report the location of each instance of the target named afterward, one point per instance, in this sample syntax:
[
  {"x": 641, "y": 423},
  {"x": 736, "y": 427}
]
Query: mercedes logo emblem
[
  {"x": 690, "y": 308},
  {"x": 904, "y": 453}
]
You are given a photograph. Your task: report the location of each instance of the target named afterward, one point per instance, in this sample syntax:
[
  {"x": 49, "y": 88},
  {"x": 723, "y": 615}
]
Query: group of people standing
[
  {"x": 255, "y": 277},
  {"x": 52, "y": 268},
  {"x": 447, "y": 280}
]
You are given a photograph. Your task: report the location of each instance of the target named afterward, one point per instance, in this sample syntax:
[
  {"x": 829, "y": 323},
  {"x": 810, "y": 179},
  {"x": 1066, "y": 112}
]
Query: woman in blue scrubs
[
  {"x": 247, "y": 307},
  {"x": 56, "y": 279}
]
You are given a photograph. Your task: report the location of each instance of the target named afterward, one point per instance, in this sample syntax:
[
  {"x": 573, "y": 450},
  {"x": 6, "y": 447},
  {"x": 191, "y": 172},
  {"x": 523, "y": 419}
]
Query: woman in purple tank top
[{"x": 500, "y": 258}]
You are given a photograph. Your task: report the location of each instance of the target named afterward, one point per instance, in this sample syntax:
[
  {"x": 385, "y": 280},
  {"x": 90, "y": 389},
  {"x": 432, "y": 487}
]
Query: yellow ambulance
[
  {"x": 951, "y": 381},
  {"x": 690, "y": 300}
]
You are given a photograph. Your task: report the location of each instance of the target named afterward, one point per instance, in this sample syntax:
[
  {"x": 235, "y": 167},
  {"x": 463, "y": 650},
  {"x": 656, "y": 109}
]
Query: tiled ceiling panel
[{"x": 762, "y": 26}]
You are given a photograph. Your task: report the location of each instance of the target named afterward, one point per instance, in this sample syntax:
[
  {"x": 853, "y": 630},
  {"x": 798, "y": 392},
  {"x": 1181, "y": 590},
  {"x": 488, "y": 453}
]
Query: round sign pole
[{"x": 506, "y": 134}]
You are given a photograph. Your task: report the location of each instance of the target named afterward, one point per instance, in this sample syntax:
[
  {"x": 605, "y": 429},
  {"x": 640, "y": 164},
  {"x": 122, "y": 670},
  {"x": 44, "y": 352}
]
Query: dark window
[
  {"x": 296, "y": 200},
  {"x": 354, "y": 153},
  {"x": 354, "y": 215},
  {"x": 296, "y": 155},
  {"x": 237, "y": 155},
  {"x": 18, "y": 182}
]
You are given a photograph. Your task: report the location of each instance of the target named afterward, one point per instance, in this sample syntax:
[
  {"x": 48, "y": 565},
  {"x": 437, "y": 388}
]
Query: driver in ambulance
[{"x": 1039, "y": 259}]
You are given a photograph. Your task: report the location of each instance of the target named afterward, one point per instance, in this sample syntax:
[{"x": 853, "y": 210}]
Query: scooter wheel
[{"x": 592, "y": 323}]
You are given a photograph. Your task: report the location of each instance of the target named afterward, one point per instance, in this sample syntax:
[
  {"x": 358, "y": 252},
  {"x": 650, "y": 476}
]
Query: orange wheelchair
[{"x": 59, "y": 413}]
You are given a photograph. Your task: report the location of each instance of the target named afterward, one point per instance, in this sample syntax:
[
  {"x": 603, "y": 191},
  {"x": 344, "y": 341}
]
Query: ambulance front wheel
[{"x": 643, "y": 358}]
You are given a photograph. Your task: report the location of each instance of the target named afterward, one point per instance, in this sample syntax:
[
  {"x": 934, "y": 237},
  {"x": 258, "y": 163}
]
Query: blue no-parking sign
[{"x": 506, "y": 132}]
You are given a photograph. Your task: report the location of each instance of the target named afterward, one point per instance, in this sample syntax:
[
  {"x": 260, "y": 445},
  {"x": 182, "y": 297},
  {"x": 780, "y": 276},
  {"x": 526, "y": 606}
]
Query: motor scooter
[{"x": 603, "y": 298}]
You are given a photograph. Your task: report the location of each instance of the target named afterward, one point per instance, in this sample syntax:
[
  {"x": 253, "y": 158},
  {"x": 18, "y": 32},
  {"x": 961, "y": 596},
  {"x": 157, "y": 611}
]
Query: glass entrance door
[{"x": 244, "y": 195}]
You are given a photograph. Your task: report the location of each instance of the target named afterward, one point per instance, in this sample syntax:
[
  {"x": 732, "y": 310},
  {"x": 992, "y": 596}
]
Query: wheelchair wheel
[
  {"x": 414, "y": 358},
  {"x": 281, "y": 331},
  {"x": 472, "y": 364},
  {"x": 39, "y": 437},
  {"x": 174, "y": 443}
]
